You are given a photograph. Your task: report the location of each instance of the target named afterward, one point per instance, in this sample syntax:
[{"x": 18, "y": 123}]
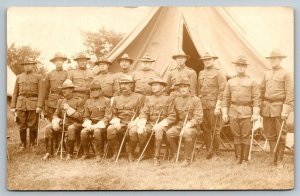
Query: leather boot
[
  {"x": 280, "y": 153},
  {"x": 238, "y": 153},
  {"x": 32, "y": 137},
  {"x": 71, "y": 144},
  {"x": 216, "y": 145},
  {"x": 113, "y": 143},
  {"x": 245, "y": 153},
  {"x": 49, "y": 145},
  {"x": 131, "y": 150},
  {"x": 188, "y": 150},
  {"x": 23, "y": 139},
  {"x": 207, "y": 140},
  {"x": 273, "y": 155},
  {"x": 157, "y": 152},
  {"x": 173, "y": 148},
  {"x": 98, "y": 146}
]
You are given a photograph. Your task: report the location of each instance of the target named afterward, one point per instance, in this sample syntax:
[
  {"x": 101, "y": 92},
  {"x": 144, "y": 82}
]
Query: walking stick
[
  {"x": 125, "y": 136},
  {"x": 180, "y": 140},
  {"x": 251, "y": 142},
  {"x": 213, "y": 136},
  {"x": 38, "y": 130},
  {"x": 62, "y": 135},
  {"x": 282, "y": 124},
  {"x": 149, "y": 138}
]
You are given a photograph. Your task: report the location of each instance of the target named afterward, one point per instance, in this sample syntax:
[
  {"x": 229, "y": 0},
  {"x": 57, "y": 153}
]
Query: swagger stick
[{"x": 279, "y": 136}]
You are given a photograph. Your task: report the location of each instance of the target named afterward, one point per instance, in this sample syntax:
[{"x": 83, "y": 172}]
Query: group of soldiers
[{"x": 98, "y": 106}]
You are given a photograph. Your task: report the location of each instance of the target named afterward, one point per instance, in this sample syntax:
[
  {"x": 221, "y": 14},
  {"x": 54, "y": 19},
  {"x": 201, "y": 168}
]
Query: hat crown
[
  {"x": 103, "y": 60},
  {"x": 147, "y": 58},
  {"x": 180, "y": 52},
  {"x": 29, "y": 60},
  {"x": 126, "y": 78},
  {"x": 184, "y": 81},
  {"x": 68, "y": 84},
  {"x": 157, "y": 80},
  {"x": 276, "y": 52},
  {"x": 125, "y": 56},
  {"x": 241, "y": 59},
  {"x": 59, "y": 55},
  {"x": 96, "y": 84},
  {"x": 81, "y": 55}
]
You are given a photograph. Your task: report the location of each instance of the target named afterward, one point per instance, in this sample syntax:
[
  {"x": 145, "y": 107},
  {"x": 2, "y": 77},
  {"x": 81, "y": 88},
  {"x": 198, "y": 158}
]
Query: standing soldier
[
  {"x": 181, "y": 71},
  {"x": 278, "y": 98},
  {"x": 96, "y": 116},
  {"x": 211, "y": 84},
  {"x": 185, "y": 106},
  {"x": 241, "y": 102},
  {"x": 81, "y": 77},
  {"x": 144, "y": 75},
  {"x": 107, "y": 80},
  {"x": 27, "y": 101},
  {"x": 124, "y": 107},
  {"x": 53, "y": 80},
  {"x": 72, "y": 107},
  {"x": 155, "y": 106},
  {"x": 125, "y": 62}
]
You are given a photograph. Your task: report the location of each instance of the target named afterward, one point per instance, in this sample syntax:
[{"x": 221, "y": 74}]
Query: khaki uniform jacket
[
  {"x": 97, "y": 109},
  {"x": 240, "y": 95},
  {"x": 276, "y": 89},
  {"x": 108, "y": 83},
  {"x": 28, "y": 92},
  {"x": 81, "y": 78},
  {"x": 211, "y": 84},
  {"x": 53, "y": 80},
  {"x": 142, "y": 77}
]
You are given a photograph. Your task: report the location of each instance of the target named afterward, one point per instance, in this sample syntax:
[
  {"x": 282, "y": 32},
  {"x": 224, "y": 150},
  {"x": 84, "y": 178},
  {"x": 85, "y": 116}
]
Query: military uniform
[
  {"x": 72, "y": 122},
  {"x": 98, "y": 114},
  {"x": 28, "y": 95},
  {"x": 211, "y": 84},
  {"x": 278, "y": 98},
  {"x": 240, "y": 97}
]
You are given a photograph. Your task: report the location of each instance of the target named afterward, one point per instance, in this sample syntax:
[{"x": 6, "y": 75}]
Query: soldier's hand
[
  {"x": 38, "y": 110},
  {"x": 254, "y": 117},
  {"x": 13, "y": 110},
  {"x": 187, "y": 126},
  {"x": 55, "y": 126},
  {"x": 284, "y": 117},
  {"x": 181, "y": 133},
  {"x": 141, "y": 130},
  {"x": 66, "y": 106},
  {"x": 225, "y": 118},
  {"x": 217, "y": 111},
  {"x": 131, "y": 124}
]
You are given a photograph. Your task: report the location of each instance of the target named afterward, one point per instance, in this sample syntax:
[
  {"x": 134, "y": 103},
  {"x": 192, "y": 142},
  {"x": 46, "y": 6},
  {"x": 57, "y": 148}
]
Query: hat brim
[
  {"x": 61, "y": 87},
  {"x": 212, "y": 57},
  {"x": 126, "y": 82},
  {"x": 28, "y": 63},
  {"x": 239, "y": 63},
  {"x": 53, "y": 59},
  {"x": 149, "y": 61},
  {"x": 271, "y": 57},
  {"x": 130, "y": 60},
  {"x": 180, "y": 84},
  {"x": 107, "y": 62},
  {"x": 156, "y": 82},
  {"x": 181, "y": 55},
  {"x": 87, "y": 58}
]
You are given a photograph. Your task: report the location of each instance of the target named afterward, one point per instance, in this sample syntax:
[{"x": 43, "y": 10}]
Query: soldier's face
[
  {"x": 208, "y": 62},
  {"x": 126, "y": 87},
  {"x": 96, "y": 92},
  {"x": 156, "y": 87},
  {"x": 146, "y": 65},
  {"x": 28, "y": 68},
  {"x": 103, "y": 66},
  {"x": 59, "y": 62},
  {"x": 184, "y": 90},
  {"x": 180, "y": 60},
  {"x": 275, "y": 61},
  {"x": 124, "y": 64},
  {"x": 67, "y": 92},
  {"x": 82, "y": 63},
  {"x": 241, "y": 69}
]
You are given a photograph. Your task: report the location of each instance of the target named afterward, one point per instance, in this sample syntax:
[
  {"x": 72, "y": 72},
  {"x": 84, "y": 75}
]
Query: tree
[
  {"x": 16, "y": 55},
  {"x": 100, "y": 43}
]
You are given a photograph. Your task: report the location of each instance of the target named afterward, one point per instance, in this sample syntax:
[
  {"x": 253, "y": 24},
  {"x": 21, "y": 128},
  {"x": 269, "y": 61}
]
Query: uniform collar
[
  {"x": 179, "y": 68},
  {"x": 276, "y": 68},
  {"x": 58, "y": 69}
]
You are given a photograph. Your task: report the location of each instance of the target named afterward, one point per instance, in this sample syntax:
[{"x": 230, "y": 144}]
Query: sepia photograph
[{"x": 150, "y": 98}]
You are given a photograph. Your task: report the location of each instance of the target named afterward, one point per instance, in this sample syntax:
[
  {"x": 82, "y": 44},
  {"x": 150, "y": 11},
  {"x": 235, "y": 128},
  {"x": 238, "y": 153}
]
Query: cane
[
  {"x": 149, "y": 138},
  {"x": 62, "y": 136},
  {"x": 282, "y": 124},
  {"x": 180, "y": 140},
  {"x": 251, "y": 142},
  {"x": 213, "y": 136},
  {"x": 125, "y": 136}
]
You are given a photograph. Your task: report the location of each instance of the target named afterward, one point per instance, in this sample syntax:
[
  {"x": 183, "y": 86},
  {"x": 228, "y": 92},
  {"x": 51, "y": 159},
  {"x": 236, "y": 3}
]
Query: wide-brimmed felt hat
[
  {"x": 126, "y": 57},
  {"x": 157, "y": 80},
  {"x": 207, "y": 55},
  {"x": 241, "y": 60},
  {"x": 103, "y": 60},
  {"x": 67, "y": 84},
  {"x": 126, "y": 79},
  {"x": 276, "y": 53},
  {"x": 147, "y": 58},
  {"x": 58, "y": 55},
  {"x": 95, "y": 84},
  {"x": 29, "y": 61},
  {"x": 81, "y": 55},
  {"x": 180, "y": 53},
  {"x": 183, "y": 81}
]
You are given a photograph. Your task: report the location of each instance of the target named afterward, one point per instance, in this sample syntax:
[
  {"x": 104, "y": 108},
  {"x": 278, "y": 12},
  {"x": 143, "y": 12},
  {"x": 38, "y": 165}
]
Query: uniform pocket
[
  {"x": 20, "y": 103},
  {"x": 32, "y": 103}
]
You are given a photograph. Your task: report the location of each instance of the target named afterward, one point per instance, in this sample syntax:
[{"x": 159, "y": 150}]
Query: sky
[{"x": 59, "y": 29}]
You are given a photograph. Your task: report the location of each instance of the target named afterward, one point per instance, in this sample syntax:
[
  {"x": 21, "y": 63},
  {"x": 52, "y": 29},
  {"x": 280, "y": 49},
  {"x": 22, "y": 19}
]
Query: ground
[{"x": 27, "y": 171}]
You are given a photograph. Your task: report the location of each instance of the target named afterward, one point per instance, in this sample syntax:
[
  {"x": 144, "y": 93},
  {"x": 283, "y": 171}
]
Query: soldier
[
  {"x": 81, "y": 77},
  {"x": 72, "y": 107},
  {"x": 96, "y": 116},
  {"x": 181, "y": 71},
  {"x": 185, "y": 105},
  {"x": 108, "y": 82},
  {"x": 241, "y": 102},
  {"x": 277, "y": 95},
  {"x": 124, "y": 107},
  {"x": 144, "y": 75},
  {"x": 155, "y": 105},
  {"x": 125, "y": 62},
  {"x": 53, "y": 80},
  {"x": 27, "y": 101},
  {"x": 211, "y": 84}
]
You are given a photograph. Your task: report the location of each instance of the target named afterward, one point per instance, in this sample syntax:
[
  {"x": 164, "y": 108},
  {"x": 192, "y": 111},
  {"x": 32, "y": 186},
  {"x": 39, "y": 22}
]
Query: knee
[
  {"x": 98, "y": 133},
  {"x": 133, "y": 131},
  {"x": 71, "y": 132},
  {"x": 189, "y": 134},
  {"x": 111, "y": 132},
  {"x": 48, "y": 131},
  {"x": 84, "y": 133}
]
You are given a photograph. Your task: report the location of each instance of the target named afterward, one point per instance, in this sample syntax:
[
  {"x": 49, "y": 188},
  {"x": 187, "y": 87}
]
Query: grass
[{"x": 26, "y": 171}]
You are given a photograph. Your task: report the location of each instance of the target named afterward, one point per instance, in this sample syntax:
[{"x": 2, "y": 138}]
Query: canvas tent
[
  {"x": 11, "y": 78},
  {"x": 195, "y": 29}
]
